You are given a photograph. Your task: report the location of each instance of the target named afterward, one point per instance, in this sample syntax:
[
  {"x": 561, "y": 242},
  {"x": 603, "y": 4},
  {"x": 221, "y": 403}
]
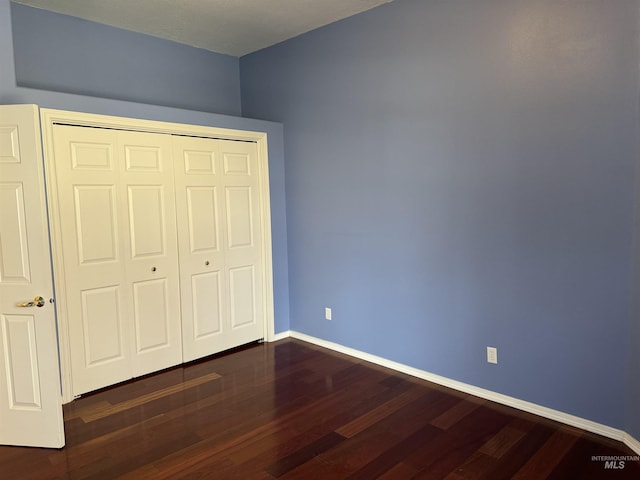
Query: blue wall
[
  {"x": 10, "y": 93},
  {"x": 66, "y": 54},
  {"x": 460, "y": 174},
  {"x": 633, "y": 397}
]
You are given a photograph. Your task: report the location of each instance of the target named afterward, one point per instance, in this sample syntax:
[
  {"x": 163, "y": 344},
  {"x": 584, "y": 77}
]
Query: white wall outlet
[
  {"x": 492, "y": 355},
  {"x": 327, "y": 313}
]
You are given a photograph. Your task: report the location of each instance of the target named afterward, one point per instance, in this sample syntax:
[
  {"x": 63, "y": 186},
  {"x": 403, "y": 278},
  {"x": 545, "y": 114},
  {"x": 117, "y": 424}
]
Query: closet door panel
[
  {"x": 94, "y": 299},
  {"x": 243, "y": 242},
  {"x": 117, "y": 217},
  {"x": 151, "y": 268},
  {"x": 201, "y": 222}
]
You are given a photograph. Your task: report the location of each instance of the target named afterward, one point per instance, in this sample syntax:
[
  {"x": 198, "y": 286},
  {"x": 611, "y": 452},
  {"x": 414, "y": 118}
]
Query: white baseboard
[
  {"x": 280, "y": 336},
  {"x": 529, "y": 407},
  {"x": 632, "y": 443}
]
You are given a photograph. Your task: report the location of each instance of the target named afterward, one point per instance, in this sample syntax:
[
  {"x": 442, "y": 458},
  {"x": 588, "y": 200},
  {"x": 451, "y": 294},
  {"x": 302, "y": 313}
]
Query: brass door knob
[{"x": 36, "y": 302}]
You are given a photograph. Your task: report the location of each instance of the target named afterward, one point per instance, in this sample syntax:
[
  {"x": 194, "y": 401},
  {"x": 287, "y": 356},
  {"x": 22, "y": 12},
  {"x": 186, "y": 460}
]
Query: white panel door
[
  {"x": 243, "y": 241},
  {"x": 89, "y": 212},
  {"x": 30, "y": 399},
  {"x": 220, "y": 244},
  {"x": 199, "y": 209},
  {"x": 151, "y": 260},
  {"x": 117, "y": 218}
]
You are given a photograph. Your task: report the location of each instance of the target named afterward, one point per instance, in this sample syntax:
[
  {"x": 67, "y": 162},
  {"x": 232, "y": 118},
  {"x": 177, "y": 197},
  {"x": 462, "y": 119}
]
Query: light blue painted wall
[
  {"x": 10, "y": 93},
  {"x": 633, "y": 394},
  {"x": 460, "y": 174},
  {"x": 66, "y": 54}
]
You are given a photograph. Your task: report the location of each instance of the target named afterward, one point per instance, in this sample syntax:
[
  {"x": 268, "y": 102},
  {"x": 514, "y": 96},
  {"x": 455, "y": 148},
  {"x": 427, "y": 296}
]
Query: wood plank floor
[{"x": 291, "y": 410}]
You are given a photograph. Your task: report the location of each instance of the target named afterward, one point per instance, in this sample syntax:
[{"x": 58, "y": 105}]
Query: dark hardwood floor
[{"x": 293, "y": 410}]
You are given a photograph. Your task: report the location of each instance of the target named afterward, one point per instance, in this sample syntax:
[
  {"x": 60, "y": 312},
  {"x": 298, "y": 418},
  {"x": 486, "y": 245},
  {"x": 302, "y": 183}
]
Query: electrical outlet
[
  {"x": 492, "y": 355},
  {"x": 327, "y": 313}
]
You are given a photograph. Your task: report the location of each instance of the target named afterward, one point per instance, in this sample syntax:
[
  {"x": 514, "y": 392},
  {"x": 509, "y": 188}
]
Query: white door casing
[
  {"x": 217, "y": 200},
  {"x": 262, "y": 274},
  {"x": 116, "y": 212},
  {"x": 30, "y": 401}
]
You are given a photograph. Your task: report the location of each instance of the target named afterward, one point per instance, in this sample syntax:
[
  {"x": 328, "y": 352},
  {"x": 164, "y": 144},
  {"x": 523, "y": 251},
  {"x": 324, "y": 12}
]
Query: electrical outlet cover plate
[
  {"x": 327, "y": 313},
  {"x": 492, "y": 355}
]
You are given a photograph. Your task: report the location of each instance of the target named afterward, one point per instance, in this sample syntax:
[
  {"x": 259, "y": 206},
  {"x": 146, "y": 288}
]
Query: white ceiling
[{"x": 232, "y": 27}]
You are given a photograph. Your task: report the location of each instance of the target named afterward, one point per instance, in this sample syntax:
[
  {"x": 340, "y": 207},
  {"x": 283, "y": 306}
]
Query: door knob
[{"x": 36, "y": 302}]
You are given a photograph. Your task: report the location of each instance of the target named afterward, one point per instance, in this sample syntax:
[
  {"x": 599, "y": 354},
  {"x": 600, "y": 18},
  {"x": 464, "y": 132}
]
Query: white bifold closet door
[
  {"x": 220, "y": 239},
  {"x": 117, "y": 216}
]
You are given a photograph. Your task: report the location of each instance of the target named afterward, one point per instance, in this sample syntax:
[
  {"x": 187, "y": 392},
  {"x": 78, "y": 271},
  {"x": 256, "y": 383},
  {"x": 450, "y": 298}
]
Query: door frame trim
[{"x": 50, "y": 117}]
